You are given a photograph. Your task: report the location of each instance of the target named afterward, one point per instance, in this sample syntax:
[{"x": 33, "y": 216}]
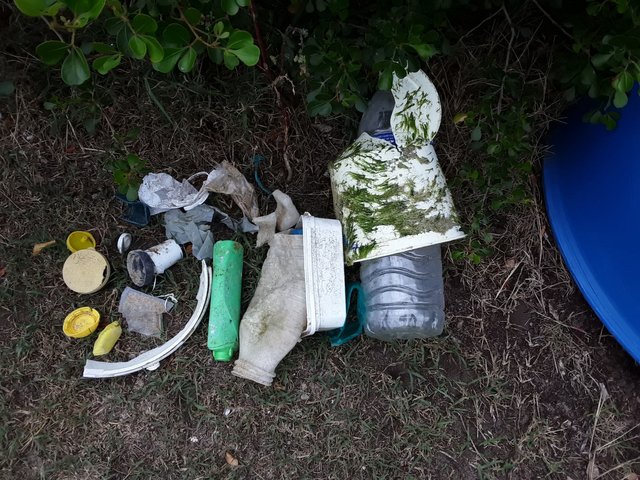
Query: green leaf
[
  {"x": 138, "y": 47},
  {"x": 103, "y": 48},
  {"x": 144, "y": 24},
  {"x": 248, "y": 55},
  {"x": 6, "y": 88},
  {"x": 600, "y": 59},
  {"x": 386, "y": 79},
  {"x": 132, "y": 193},
  {"x": 230, "y": 60},
  {"x": 215, "y": 55},
  {"x": 218, "y": 28},
  {"x": 134, "y": 161},
  {"x": 85, "y": 10},
  {"x": 588, "y": 75},
  {"x": 230, "y": 6},
  {"x": 105, "y": 64},
  {"x": 476, "y": 134},
  {"x": 175, "y": 35},
  {"x": 114, "y": 25},
  {"x": 623, "y": 82},
  {"x": 51, "y": 52},
  {"x": 193, "y": 16},
  {"x": 424, "y": 50},
  {"x": 321, "y": 108},
  {"x": 119, "y": 177},
  {"x": 75, "y": 69},
  {"x": 168, "y": 62},
  {"x": 116, "y": 6},
  {"x": 155, "y": 50},
  {"x": 36, "y": 8},
  {"x": 187, "y": 61},
  {"x": 620, "y": 99},
  {"x": 239, "y": 39},
  {"x": 243, "y": 3},
  {"x": 608, "y": 121}
]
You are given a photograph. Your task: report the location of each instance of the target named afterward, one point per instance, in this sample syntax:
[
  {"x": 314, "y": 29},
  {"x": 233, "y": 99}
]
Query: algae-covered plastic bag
[{"x": 394, "y": 198}]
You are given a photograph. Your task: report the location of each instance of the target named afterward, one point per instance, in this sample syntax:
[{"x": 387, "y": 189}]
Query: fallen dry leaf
[
  {"x": 632, "y": 476},
  {"x": 3, "y": 272},
  {"x": 231, "y": 459},
  {"x": 38, "y": 247}
]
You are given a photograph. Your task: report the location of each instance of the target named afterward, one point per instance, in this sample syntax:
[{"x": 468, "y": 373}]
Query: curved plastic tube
[{"x": 150, "y": 359}]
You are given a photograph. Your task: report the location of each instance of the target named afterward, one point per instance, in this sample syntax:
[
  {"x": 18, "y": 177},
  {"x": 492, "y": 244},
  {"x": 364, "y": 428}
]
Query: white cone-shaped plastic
[{"x": 276, "y": 316}]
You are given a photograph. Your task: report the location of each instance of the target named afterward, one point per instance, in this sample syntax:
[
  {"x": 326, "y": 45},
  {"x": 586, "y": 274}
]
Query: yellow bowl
[
  {"x": 80, "y": 240},
  {"x": 81, "y": 322}
]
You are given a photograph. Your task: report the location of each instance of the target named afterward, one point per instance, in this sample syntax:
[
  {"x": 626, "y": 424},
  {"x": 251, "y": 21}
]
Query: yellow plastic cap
[
  {"x": 80, "y": 240},
  {"x": 81, "y": 322}
]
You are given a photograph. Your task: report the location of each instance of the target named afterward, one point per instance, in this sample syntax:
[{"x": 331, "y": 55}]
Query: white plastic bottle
[{"x": 404, "y": 295}]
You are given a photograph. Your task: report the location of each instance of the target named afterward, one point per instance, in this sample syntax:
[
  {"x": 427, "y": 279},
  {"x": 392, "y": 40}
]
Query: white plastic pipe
[
  {"x": 144, "y": 265},
  {"x": 165, "y": 255}
]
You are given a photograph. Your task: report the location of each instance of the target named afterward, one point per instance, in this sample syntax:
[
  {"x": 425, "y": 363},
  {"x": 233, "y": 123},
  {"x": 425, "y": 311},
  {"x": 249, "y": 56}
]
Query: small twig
[
  {"x": 285, "y": 148},
  {"x": 506, "y": 63},
  {"x": 264, "y": 66},
  {"x": 53, "y": 29},
  {"x": 618, "y": 467},
  {"x": 157, "y": 103},
  {"x": 478, "y": 26},
  {"x": 546, "y": 14},
  {"x": 507, "y": 279},
  {"x": 197, "y": 38},
  {"x": 592, "y": 454}
]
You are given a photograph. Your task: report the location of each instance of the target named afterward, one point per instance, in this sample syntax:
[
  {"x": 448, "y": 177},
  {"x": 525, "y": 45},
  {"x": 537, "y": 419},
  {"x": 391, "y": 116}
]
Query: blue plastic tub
[{"x": 592, "y": 189}]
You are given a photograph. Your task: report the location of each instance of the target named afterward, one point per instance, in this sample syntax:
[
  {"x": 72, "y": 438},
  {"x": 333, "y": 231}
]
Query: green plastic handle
[{"x": 224, "y": 314}]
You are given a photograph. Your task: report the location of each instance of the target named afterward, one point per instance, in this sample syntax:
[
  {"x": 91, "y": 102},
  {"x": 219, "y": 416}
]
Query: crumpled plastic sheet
[
  {"x": 284, "y": 217},
  {"x": 143, "y": 312},
  {"x": 161, "y": 192},
  {"x": 194, "y": 226}
]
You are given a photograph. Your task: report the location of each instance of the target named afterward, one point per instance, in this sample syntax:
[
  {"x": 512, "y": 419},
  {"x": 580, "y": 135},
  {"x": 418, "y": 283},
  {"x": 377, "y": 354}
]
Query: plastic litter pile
[{"x": 393, "y": 208}]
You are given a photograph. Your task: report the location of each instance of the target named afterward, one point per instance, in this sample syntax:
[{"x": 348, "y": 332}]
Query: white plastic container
[{"x": 323, "y": 274}]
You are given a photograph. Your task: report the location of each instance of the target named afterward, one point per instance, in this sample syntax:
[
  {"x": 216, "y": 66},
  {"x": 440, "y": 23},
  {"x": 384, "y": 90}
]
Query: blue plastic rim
[{"x": 592, "y": 190}]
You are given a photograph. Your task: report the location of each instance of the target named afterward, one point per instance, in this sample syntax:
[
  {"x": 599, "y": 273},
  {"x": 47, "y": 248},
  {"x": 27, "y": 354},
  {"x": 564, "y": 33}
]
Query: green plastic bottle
[{"x": 224, "y": 314}]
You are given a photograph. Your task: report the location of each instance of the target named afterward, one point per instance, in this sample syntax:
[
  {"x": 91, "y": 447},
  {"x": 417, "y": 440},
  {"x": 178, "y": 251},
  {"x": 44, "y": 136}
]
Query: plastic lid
[
  {"x": 80, "y": 240},
  {"x": 86, "y": 271},
  {"x": 81, "y": 322},
  {"x": 224, "y": 354},
  {"x": 124, "y": 242}
]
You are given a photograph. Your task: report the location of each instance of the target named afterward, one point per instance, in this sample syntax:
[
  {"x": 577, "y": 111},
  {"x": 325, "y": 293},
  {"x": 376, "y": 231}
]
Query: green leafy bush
[
  {"x": 168, "y": 33},
  {"x": 350, "y": 53},
  {"x": 128, "y": 174},
  {"x": 603, "y": 60}
]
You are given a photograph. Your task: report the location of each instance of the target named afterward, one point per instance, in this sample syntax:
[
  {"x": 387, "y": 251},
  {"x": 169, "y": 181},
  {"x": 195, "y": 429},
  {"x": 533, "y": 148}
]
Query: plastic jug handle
[{"x": 350, "y": 330}]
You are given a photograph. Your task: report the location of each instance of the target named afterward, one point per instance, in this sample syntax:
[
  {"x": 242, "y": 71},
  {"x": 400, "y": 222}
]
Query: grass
[{"x": 511, "y": 390}]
